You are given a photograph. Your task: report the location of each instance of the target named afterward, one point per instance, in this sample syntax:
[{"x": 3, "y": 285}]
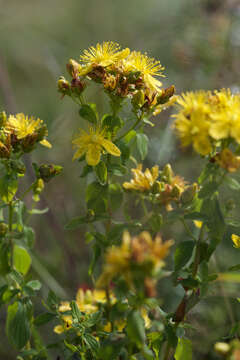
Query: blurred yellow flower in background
[
  {"x": 192, "y": 121},
  {"x": 93, "y": 143}
]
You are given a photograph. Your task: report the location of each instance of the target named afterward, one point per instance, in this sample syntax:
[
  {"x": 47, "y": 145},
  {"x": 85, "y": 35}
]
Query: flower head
[
  {"x": 104, "y": 54},
  {"x": 140, "y": 251},
  {"x": 93, "y": 143},
  {"x": 148, "y": 67},
  {"x": 192, "y": 121},
  {"x": 142, "y": 181},
  {"x": 227, "y": 160},
  {"x": 23, "y": 126}
]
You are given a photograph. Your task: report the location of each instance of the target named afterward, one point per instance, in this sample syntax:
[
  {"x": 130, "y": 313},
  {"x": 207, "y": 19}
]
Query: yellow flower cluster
[
  {"x": 138, "y": 251},
  {"x": 88, "y": 302},
  {"x": 20, "y": 133},
  {"x": 206, "y": 118},
  {"x": 93, "y": 143},
  {"x": 168, "y": 188},
  {"x": 123, "y": 73}
]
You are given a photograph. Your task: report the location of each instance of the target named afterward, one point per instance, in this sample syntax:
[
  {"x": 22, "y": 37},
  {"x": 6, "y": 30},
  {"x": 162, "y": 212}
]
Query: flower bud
[
  {"x": 222, "y": 348},
  {"x": 73, "y": 67},
  {"x": 47, "y": 172},
  {"x": 167, "y": 174},
  {"x": 3, "y": 118},
  {"x": 189, "y": 193},
  {"x": 77, "y": 86},
  {"x": 3, "y": 229},
  {"x": 138, "y": 99},
  {"x": 176, "y": 192},
  {"x": 63, "y": 86},
  {"x": 166, "y": 95}
]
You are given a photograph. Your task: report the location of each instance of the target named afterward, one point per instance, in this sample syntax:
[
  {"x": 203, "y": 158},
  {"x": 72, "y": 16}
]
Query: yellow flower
[
  {"x": 227, "y": 160},
  {"x": 22, "y": 126},
  {"x": 138, "y": 250},
  {"x": 236, "y": 240},
  {"x": 93, "y": 143},
  {"x": 148, "y": 67},
  {"x": 117, "y": 261},
  {"x": 104, "y": 54},
  {"x": 142, "y": 181},
  {"x": 192, "y": 121},
  {"x": 225, "y": 115}
]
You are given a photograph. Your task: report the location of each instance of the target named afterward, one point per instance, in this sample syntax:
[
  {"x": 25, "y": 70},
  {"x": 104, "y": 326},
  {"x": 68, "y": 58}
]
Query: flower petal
[
  {"x": 46, "y": 143},
  {"x": 78, "y": 153},
  {"x": 93, "y": 155},
  {"x": 110, "y": 147}
]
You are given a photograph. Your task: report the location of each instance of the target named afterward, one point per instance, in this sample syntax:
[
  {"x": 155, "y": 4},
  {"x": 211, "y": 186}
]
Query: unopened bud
[
  {"x": 176, "y": 192},
  {"x": 166, "y": 94},
  {"x": 222, "y": 348},
  {"x": 167, "y": 174},
  {"x": 138, "y": 99},
  {"x": 189, "y": 193},
  {"x": 47, "y": 172},
  {"x": 3, "y": 118},
  {"x": 63, "y": 86},
  {"x": 73, "y": 68},
  {"x": 3, "y": 229},
  {"x": 77, "y": 86}
]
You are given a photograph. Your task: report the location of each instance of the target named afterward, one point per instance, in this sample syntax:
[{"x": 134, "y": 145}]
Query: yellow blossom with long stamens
[
  {"x": 104, "y": 54},
  {"x": 142, "y": 181},
  {"x": 193, "y": 122},
  {"x": 22, "y": 126},
  {"x": 225, "y": 115},
  {"x": 93, "y": 143},
  {"x": 148, "y": 67}
]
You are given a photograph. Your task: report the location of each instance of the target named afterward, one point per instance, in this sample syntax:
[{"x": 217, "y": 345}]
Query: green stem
[
  {"x": 197, "y": 253},
  {"x": 187, "y": 229},
  {"x": 26, "y": 192},
  {"x": 139, "y": 119},
  {"x": 167, "y": 351},
  {"x": 10, "y": 222}
]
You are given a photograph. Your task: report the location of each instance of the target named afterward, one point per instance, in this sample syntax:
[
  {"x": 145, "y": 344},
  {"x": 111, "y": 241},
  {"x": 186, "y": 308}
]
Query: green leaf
[
  {"x": 234, "y": 268},
  {"x": 136, "y": 328},
  {"x": 91, "y": 342},
  {"x": 17, "y": 326},
  {"x": 76, "y": 222},
  {"x": 4, "y": 258},
  {"x": 44, "y": 318},
  {"x": 115, "y": 196},
  {"x": 96, "y": 197},
  {"x": 142, "y": 145},
  {"x": 101, "y": 172},
  {"x": 118, "y": 169},
  {"x": 184, "y": 350},
  {"x": 232, "y": 183},
  {"x": 8, "y": 187},
  {"x": 130, "y": 135},
  {"x": 89, "y": 112},
  {"x": 183, "y": 254},
  {"x": 76, "y": 313},
  {"x": 208, "y": 190},
  {"x": 38, "y": 211},
  {"x": 21, "y": 259},
  {"x": 112, "y": 123},
  {"x": 195, "y": 216},
  {"x": 34, "y": 285}
]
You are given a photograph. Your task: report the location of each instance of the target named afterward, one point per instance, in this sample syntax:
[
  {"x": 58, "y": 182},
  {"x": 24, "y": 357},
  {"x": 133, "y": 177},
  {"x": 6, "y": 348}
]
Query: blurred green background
[{"x": 198, "y": 42}]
